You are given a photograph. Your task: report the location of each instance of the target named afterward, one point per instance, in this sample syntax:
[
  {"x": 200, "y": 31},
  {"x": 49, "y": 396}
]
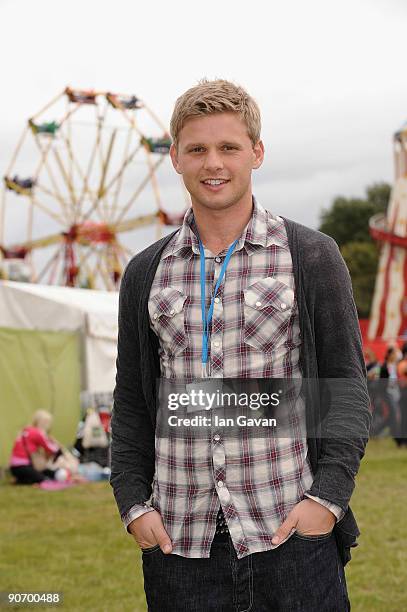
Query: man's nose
[{"x": 213, "y": 160}]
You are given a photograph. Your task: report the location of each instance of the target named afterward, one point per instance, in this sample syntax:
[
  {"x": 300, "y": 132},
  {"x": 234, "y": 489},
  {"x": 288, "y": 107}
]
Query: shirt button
[
  {"x": 217, "y": 300},
  {"x": 216, "y": 437},
  {"x": 155, "y": 315},
  {"x": 217, "y": 344},
  {"x": 172, "y": 310},
  {"x": 220, "y": 483},
  {"x": 283, "y": 306},
  {"x": 217, "y": 259},
  {"x": 258, "y": 303}
]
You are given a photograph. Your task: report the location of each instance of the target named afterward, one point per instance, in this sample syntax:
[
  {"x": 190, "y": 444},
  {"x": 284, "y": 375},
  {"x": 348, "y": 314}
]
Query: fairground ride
[
  {"x": 86, "y": 171},
  {"x": 388, "y": 319}
]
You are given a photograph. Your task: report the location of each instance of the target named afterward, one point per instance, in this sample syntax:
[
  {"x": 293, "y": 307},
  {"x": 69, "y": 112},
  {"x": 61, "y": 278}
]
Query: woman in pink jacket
[{"x": 28, "y": 442}]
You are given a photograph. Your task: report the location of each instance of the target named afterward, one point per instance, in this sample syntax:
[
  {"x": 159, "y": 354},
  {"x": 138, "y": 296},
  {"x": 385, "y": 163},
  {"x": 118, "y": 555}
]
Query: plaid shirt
[{"x": 254, "y": 334}]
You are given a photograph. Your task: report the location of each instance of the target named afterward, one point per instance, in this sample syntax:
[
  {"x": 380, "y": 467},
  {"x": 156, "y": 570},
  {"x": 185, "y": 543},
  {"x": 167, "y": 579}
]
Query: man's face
[{"x": 215, "y": 157}]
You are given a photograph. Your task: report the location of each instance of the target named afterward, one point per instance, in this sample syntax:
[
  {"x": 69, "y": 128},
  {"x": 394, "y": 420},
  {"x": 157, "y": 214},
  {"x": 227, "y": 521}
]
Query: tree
[
  {"x": 379, "y": 195},
  {"x": 347, "y": 222},
  {"x": 362, "y": 259}
]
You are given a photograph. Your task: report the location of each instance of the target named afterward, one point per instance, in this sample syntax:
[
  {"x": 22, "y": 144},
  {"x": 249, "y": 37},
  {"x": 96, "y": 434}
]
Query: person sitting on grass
[{"x": 32, "y": 449}]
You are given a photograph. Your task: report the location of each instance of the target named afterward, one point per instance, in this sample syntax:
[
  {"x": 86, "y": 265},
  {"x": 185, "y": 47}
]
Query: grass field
[{"x": 72, "y": 541}]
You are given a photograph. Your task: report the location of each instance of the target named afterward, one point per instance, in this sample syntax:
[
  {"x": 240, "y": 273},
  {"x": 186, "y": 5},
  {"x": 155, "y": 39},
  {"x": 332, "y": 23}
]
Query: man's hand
[
  {"x": 307, "y": 517},
  {"x": 148, "y": 530}
]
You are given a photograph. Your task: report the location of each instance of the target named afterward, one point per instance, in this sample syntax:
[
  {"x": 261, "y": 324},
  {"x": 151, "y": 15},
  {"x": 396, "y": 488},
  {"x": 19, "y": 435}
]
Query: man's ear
[
  {"x": 174, "y": 158},
  {"x": 258, "y": 154}
]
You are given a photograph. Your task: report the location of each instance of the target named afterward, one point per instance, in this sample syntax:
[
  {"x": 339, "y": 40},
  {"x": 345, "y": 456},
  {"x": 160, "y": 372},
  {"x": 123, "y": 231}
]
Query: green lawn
[{"x": 72, "y": 541}]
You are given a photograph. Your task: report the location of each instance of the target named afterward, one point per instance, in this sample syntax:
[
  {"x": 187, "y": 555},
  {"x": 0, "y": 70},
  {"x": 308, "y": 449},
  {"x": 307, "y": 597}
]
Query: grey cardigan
[{"x": 331, "y": 349}]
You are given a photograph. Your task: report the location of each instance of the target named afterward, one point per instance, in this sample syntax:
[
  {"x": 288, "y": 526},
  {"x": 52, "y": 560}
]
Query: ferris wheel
[{"x": 85, "y": 174}]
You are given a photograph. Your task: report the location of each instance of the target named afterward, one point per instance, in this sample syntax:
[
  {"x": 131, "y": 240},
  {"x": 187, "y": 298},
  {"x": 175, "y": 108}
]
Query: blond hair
[
  {"x": 42, "y": 419},
  {"x": 218, "y": 96}
]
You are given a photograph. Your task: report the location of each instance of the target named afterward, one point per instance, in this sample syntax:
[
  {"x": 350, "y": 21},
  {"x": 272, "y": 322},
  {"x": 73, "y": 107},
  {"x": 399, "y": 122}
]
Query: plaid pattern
[
  {"x": 254, "y": 334},
  {"x": 255, "y": 331}
]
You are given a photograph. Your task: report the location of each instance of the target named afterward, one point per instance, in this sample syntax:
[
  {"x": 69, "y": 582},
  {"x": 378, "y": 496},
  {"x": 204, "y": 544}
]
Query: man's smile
[{"x": 215, "y": 184}]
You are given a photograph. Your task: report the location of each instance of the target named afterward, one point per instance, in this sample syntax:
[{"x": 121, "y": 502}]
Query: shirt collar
[{"x": 262, "y": 230}]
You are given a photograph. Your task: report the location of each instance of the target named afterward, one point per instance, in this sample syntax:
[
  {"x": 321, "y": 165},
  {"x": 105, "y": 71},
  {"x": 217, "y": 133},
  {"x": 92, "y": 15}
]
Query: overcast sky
[{"x": 329, "y": 77}]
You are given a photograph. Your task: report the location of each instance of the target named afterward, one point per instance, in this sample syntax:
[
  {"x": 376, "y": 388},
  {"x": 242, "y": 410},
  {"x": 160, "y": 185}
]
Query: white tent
[
  {"x": 54, "y": 343},
  {"x": 53, "y": 308}
]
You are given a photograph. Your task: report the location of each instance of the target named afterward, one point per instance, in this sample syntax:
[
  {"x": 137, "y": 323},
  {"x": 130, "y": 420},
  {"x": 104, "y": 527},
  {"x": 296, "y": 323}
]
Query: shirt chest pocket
[
  {"x": 268, "y": 306},
  {"x": 166, "y": 310}
]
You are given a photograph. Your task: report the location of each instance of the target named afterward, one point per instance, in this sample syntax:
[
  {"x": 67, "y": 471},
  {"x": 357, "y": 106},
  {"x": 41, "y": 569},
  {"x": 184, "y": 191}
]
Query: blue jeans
[{"x": 305, "y": 574}]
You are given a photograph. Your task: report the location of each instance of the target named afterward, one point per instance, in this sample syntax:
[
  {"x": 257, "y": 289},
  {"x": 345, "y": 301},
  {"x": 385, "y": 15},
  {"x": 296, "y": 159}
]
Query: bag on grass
[{"x": 94, "y": 435}]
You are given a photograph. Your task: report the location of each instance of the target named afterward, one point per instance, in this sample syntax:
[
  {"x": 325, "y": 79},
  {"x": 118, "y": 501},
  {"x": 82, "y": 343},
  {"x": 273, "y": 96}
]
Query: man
[{"x": 257, "y": 521}]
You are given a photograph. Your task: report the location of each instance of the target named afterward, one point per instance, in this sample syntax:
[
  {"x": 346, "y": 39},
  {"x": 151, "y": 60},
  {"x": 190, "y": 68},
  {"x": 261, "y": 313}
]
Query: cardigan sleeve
[
  {"x": 344, "y": 416},
  {"x": 132, "y": 445}
]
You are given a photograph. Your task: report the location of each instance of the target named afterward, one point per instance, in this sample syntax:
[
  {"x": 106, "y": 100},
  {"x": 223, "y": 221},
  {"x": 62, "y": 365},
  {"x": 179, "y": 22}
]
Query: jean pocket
[
  {"x": 166, "y": 310},
  {"x": 313, "y": 538},
  {"x": 268, "y": 306},
  {"x": 151, "y": 549}
]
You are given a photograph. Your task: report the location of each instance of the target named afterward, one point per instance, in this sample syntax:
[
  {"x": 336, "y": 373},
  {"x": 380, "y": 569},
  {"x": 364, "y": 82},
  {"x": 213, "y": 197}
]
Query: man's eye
[
  {"x": 197, "y": 149},
  {"x": 229, "y": 147}
]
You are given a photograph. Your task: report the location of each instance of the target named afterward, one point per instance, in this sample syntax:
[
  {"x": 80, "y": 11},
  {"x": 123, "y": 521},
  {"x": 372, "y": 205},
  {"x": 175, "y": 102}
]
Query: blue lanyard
[{"x": 206, "y": 319}]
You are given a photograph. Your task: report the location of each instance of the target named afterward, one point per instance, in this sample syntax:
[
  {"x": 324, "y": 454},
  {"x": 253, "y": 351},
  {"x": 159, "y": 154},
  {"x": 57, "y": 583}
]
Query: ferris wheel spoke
[
  {"x": 85, "y": 187},
  {"x": 75, "y": 164},
  {"x": 124, "y": 249},
  {"x": 99, "y": 268},
  {"x": 124, "y": 253},
  {"x": 66, "y": 179},
  {"x": 131, "y": 120},
  {"x": 136, "y": 222},
  {"x": 68, "y": 114},
  {"x": 90, "y": 276},
  {"x": 46, "y": 210},
  {"x": 102, "y": 159},
  {"x": 67, "y": 141},
  {"x": 119, "y": 175},
  {"x": 44, "y": 162},
  {"x": 38, "y": 243},
  {"x": 30, "y": 220},
  {"x": 50, "y": 193},
  {"x": 120, "y": 179},
  {"x": 115, "y": 268},
  {"x": 2, "y": 215},
  {"x": 47, "y": 106},
  {"x": 124, "y": 259},
  {"x": 43, "y": 152},
  {"x": 140, "y": 188},
  {"x": 102, "y": 119},
  {"x": 85, "y": 255},
  {"x": 101, "y": 191},
  {"x": 52, "y": 262},
  {"x": 17, "y": 149},
  {"x": 154, "y": 116},
  {"x": 106, "y": 267}
]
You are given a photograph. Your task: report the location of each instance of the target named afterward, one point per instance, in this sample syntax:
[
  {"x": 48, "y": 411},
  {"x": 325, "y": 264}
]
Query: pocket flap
[
  {"x": 167, "y": 302},
  {"x": 269, "y": 292}
]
